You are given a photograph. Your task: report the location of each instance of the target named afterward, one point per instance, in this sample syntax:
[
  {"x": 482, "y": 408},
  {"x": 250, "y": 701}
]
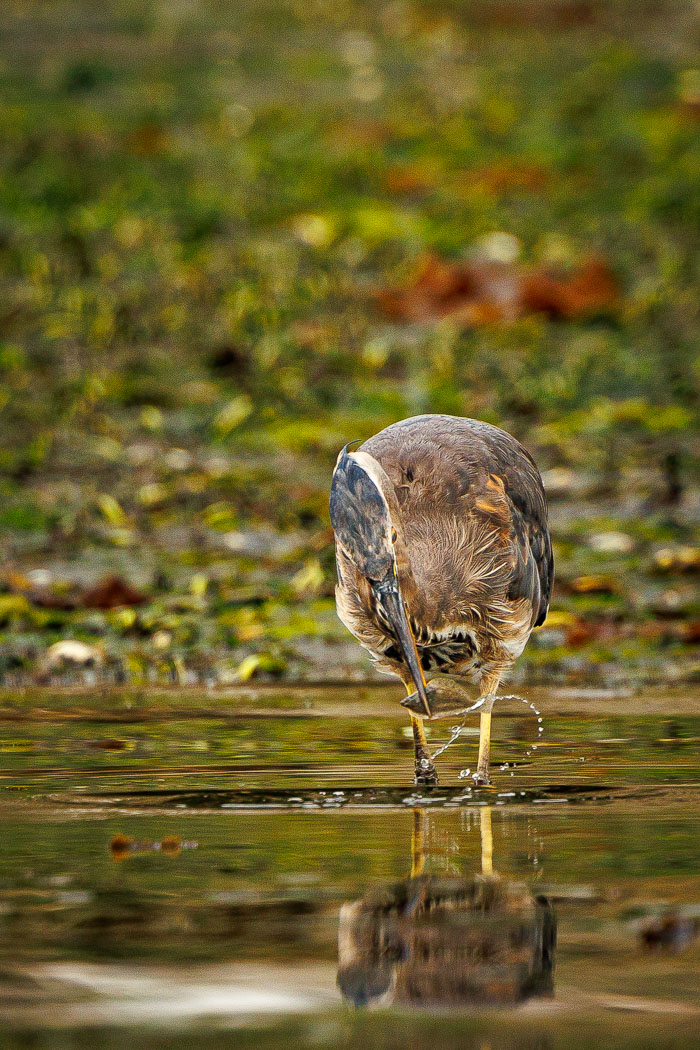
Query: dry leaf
[
  {"x": 588, "y": 290},
  {"x": 485, "y": 291},
  {"x": 111, "y": 593}
]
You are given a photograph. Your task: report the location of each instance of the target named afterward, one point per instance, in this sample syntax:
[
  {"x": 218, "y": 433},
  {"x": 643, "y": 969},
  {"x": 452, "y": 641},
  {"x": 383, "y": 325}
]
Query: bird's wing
[
  {"x": 444, "y": 467},
  {"x": 525, "y": 493}
]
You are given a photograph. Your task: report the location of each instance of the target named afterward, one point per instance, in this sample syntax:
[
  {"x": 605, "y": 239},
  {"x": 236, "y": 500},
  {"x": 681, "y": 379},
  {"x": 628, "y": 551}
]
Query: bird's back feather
[{"x": 474, "y": 520}]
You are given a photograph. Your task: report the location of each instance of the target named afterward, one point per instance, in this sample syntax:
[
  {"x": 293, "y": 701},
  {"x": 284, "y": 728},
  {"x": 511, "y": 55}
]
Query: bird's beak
[{"x": 395, "y": 609}]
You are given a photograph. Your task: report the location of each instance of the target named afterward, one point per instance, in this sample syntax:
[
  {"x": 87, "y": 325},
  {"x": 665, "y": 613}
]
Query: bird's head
[{"x": 367, "y": 525}]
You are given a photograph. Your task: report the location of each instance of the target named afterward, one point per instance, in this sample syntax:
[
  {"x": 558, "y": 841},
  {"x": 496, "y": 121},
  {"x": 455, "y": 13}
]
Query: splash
[{"x": 456, "y": 731}]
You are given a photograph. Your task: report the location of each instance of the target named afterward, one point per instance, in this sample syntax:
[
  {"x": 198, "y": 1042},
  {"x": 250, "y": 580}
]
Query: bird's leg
[
  {"x": 489, "y": 685},
  {"x": 424, "y": 769},
  {"x": 486, "y": 842},
  {"x": 448, "y": 695},
  {"x": 418, "y": 844}
]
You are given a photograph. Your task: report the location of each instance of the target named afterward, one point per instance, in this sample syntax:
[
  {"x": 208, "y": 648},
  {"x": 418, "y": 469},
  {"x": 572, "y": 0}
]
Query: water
[{"x": 268, "y": 867}]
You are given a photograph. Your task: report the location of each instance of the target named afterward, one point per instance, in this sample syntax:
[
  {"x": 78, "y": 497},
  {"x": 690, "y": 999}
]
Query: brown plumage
[{"x": 452, "y": 513}]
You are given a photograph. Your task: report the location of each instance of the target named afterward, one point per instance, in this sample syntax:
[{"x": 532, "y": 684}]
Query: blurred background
[{"x": 236, "y": 235}]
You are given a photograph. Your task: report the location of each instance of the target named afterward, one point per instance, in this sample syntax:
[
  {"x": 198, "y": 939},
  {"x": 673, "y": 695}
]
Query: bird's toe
[{"x": 425, "y": 772}]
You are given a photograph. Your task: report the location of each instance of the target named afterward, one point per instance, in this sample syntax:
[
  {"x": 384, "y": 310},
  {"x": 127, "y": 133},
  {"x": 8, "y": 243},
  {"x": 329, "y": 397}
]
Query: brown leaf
[
  {"x": 120, "y": 846},
  {"x": 359, "y": 134},
  {"x": 588, "y": 290},
  {"x": 504, "y": 176},
  {"x": 674, "y": 560},
  {"x": 581, "y": 634},
  {"x": 595, "y": 585},
  {"x": 110, "y": 593},
  {"x": 473, "y": 293},
  {"x": 669, "y": 932},
  {"x": 410, "y": 178},
  {"x": 485, "y": 291},
  {"x": 148, "y": 139},
  {"x": 691, "y": 632},
  {"x": 562, "y": 13}
]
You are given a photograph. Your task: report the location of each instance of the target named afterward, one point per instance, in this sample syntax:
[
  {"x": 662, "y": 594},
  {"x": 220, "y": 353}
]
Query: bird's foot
[
  {"x": 425, "y": 773},
  {"x": 447, "y": 697}
]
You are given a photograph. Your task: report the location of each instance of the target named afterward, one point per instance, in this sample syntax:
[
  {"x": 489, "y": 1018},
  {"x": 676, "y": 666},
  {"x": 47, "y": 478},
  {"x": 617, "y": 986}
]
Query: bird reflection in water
[{"x": 447, "y": 942}]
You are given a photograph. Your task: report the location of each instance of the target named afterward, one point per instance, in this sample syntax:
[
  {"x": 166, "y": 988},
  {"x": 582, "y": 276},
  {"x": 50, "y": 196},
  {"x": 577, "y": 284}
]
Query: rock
[
  {"x": 71, "y": 653},
  {"x": 559, "y": 481},
  {"x": 611, "y": 542}
]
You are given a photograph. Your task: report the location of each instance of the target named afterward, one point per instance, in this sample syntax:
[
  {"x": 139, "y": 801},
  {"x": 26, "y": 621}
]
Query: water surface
[{"x": 270, "y": 867}]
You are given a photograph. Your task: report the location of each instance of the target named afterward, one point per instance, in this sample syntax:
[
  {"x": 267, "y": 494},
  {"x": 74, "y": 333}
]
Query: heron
[{"x": 444, "y": 563}]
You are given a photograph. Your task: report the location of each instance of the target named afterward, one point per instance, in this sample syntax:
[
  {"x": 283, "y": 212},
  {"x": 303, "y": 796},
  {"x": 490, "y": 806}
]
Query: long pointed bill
[{"x": 396, "y": 612}]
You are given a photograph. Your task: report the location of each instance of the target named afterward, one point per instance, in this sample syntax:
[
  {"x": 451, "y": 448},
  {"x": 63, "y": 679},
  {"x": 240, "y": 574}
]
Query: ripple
[{"x": 352, "y": 799}]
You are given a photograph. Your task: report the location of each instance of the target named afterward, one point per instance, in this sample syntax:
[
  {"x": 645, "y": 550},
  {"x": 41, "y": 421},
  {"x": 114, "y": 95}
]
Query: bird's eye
[{"x": 393, "y": 535}]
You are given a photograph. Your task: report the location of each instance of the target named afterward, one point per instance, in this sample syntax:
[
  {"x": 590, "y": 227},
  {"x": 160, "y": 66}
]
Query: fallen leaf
[
  {"x": 484, "y": 291},
  {"x": 256, "y": 662},
  {"x": 148, "y": 139},
  {"x": 581, "y": 634},
  {"x": 111, "y": 593},
  {"x": 507, "y": 175},
  {"x": 677, "y": 560},
  {"x": 590, "y": 289},
  {"x": 232, "y": 415},
  {"x": 669, "y": 932},
  {"x": 472, "y": 293},
  {"x": 595, "y": 585},
  {"x": 120, "y": 846},
  {"x": 112, "y": 511},
  {"x": 410, "y": 178},
  {"x": 691, "y": 632},
  {"x": 559, "y": 618},
  {"x": 350, "y": 135}
]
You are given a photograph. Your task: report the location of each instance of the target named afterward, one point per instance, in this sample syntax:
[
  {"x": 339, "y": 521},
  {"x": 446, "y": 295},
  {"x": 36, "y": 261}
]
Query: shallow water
[{"x": 269, "y": 866}]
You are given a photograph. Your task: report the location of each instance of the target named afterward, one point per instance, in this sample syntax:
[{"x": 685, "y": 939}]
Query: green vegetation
[{"x": 199, "y": 204}]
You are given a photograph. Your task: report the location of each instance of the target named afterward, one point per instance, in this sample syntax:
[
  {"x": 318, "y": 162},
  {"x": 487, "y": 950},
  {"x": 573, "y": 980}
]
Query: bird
[{"x": 444, "y": 563}]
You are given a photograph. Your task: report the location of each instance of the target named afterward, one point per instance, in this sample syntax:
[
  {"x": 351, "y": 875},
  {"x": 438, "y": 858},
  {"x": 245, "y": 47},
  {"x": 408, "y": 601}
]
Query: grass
[{"x": 198, "y": 204}]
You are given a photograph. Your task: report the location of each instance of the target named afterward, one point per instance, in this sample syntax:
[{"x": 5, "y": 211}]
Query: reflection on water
[
  {"x": 438, "y": 942},
  {"x": 273, "y": 876}
]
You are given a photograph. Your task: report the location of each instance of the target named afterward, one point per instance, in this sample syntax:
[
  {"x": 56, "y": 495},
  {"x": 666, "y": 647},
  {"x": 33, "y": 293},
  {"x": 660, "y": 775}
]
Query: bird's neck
[{"x": 404, "y": 572}]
